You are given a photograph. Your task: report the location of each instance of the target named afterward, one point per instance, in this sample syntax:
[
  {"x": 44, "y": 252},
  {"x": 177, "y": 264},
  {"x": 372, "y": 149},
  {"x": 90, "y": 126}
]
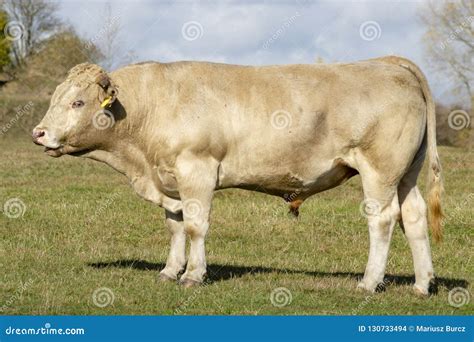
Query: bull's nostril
[{"x": 37, "y": 133}]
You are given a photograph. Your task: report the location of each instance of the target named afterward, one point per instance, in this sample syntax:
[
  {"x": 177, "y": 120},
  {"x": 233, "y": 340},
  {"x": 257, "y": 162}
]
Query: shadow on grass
[{"x": 216, "y": 272}]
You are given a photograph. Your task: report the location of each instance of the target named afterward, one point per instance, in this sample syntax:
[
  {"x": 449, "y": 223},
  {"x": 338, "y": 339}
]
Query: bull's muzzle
[{"x": 37, "y": 134}]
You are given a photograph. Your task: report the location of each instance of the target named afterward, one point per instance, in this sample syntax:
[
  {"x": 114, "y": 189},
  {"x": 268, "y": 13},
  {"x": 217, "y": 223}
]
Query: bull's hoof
[
  {"x": 187, "y": 283},
  {"x": 362, "y": 287},
  {"x": 420, "y": 292},
  {"x": 163, "y": 278}
]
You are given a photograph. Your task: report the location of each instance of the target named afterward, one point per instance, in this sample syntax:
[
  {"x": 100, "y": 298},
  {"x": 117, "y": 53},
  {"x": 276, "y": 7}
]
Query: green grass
[{"x": 84, "y": 228}]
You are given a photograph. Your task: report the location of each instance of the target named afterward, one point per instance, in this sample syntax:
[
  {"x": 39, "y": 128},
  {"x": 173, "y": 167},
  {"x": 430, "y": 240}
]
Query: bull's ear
[{"x": 110, "y": 90}]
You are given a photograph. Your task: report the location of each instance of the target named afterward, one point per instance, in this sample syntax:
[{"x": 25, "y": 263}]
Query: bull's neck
[
  {"x": 124, "y": 156},
  {"x": 135, "y": 142},
  {"x": 127, "y": 148}
]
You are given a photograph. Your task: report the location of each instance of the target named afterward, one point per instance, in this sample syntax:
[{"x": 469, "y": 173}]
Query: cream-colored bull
[{"x": 180, "y": 131}]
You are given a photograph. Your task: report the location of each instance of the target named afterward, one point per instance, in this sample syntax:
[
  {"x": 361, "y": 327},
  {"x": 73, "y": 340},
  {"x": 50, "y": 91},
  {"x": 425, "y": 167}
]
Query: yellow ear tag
[{"x": 105, "y": 102}]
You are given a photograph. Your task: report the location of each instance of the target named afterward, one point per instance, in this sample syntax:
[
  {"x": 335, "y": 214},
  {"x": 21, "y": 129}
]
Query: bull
[{"x": 179, "y": 131}]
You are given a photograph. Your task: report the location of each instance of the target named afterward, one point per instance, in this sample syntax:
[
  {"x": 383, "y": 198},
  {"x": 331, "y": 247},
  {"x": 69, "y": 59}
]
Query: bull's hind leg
[
  {"x": 382, "y": 210},
  {"x": 177, "y": 256},
  {"x": 415, "y": 226}
]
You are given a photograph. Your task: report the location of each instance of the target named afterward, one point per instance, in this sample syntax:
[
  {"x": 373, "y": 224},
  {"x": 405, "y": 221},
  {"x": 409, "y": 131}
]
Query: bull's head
[{"x": 79, "y": 113}]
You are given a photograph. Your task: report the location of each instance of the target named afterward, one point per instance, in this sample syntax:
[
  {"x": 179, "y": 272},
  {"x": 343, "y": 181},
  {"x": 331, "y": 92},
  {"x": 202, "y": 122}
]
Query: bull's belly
[{"x": 288, "y": 184}]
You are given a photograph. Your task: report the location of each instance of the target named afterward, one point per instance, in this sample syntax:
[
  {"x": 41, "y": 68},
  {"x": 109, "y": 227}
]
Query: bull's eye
[{"x": 77, "y": 104}]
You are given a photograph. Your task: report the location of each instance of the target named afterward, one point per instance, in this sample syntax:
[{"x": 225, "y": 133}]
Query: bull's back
[{"x": 290, "y": 107}]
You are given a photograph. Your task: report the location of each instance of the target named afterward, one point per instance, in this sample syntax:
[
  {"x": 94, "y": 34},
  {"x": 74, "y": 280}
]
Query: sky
[{"x": 258, "y": 32}]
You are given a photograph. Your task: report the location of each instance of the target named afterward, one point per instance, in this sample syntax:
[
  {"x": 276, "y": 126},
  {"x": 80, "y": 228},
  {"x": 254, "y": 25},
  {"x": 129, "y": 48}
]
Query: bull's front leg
[
  {"x": 196, "y": 183},
  {"x": 177, "y": 256}
]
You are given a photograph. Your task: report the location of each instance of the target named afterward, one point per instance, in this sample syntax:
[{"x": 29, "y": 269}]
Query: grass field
[{"x": 84, "y": 229}]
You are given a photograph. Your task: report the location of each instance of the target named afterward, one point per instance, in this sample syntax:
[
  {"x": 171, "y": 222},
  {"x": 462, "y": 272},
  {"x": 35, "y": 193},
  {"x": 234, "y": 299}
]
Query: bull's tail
[{"x": 435, "y": 184}]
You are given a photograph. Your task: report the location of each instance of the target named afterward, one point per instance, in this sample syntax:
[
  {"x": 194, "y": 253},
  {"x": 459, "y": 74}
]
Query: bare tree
[
  {"x": 107, "y": 39},
  {"x": 34, "y": 20},
  {"x": 449, "y": 43}
]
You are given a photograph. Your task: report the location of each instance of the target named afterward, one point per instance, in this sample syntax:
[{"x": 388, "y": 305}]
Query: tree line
[{"x": 33, "y": 27}]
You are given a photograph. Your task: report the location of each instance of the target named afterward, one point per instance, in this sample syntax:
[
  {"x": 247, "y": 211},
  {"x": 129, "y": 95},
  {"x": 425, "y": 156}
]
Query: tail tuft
[{"x": 435, "y": 212}]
